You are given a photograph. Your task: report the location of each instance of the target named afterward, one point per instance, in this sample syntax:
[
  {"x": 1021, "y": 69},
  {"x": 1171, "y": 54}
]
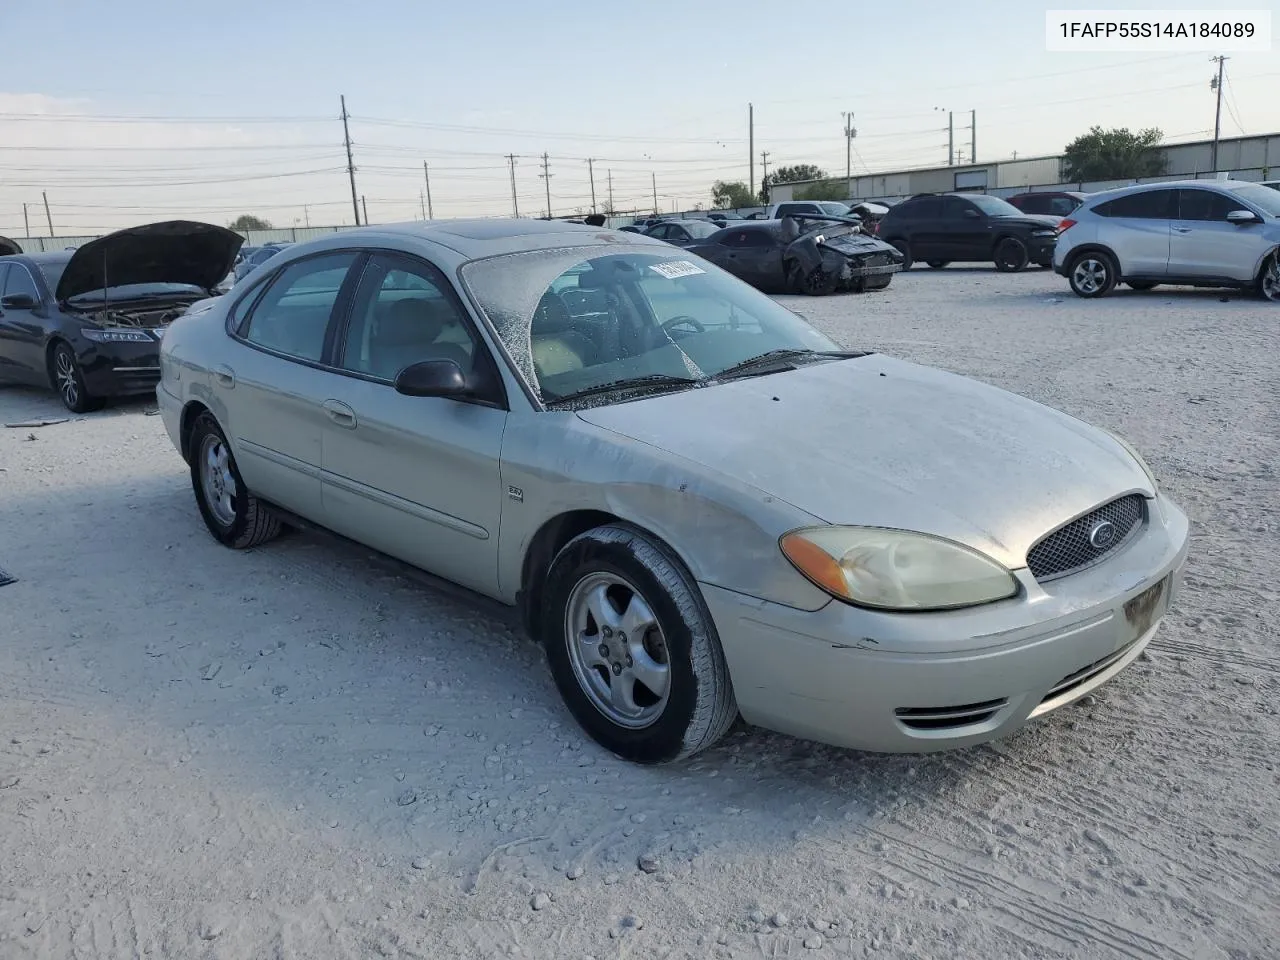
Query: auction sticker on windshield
[{"x": 674, "y": 269}]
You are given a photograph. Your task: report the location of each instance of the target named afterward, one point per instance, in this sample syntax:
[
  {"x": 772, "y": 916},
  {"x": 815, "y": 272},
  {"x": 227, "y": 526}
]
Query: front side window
[
  {"x": 1204, "y": 205},
  {"x": 404, "y": 314},
  {"x": 294, "y": 313},
  {"x": 577, "y": 319},
  {"x": 1265, "y": 199},
  {"x": 993, "y": 206}
]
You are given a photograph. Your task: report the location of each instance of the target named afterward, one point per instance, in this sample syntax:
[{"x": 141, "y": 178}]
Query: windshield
[
  {"x": 699, "y": 229},
  {"x": 1261, "y": 197},
  {"x": 993, "y": 206},
  {"x": 834, "y": 208},
  {"x": 136, "y": 291},
  {"x": 576, "y": 319}
]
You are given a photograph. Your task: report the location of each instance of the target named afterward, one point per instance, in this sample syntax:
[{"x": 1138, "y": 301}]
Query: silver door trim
[{"x": 404, "y": 506}]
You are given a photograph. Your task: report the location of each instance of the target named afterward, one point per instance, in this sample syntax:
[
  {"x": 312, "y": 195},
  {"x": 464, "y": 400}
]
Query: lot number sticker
[{"x": 674, "y": 269}]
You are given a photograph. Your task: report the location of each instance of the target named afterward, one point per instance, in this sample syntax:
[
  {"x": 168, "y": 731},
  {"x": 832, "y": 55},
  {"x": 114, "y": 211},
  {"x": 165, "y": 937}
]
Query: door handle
[
  {"x": 1182, "y": 229},
  {"x": 340, "y": 413},
  {"x": 225, "y": 376}
]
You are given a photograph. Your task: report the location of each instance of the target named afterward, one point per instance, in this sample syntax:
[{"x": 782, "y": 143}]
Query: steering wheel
[{"x": 683, "y": 321}]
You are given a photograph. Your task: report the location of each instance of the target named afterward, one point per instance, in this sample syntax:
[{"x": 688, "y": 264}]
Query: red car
[{"x": 1053, "y": 203}]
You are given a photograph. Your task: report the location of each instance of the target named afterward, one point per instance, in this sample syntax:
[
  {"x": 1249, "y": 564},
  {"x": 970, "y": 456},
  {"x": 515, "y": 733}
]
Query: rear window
[{"x": 1147, "y": 205}]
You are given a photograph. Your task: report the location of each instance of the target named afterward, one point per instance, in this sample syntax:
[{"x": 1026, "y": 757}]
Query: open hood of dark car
[
  {"x": 9, "y": 247},
  {"x": 175, "y": 251}
]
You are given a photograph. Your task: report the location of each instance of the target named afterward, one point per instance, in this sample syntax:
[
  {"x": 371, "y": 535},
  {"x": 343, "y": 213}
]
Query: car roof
[{"x": 53, "y": 257}]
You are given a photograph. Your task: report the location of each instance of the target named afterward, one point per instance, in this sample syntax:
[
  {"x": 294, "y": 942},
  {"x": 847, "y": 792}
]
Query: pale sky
[{"x": 130, "y": 111}]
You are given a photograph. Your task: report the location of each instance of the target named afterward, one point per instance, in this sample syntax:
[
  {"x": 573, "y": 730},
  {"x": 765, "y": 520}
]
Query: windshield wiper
[
  {"x": 649, "y": 380},
  {"x": 784, "y": 356}
]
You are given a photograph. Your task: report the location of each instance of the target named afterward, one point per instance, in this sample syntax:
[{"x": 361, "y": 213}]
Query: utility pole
[
  {"x": 47, "y": 216},
  {"x": 751, "y": 150},
  {"x": 306, "y": 212},
  {"x": 366, "y": 209},
  {"x": 426, "y": 172},
  {"x": 26, "y": 224},
  {"x": 653, "y": 177},
  {"x": 515, "y": 204},
  {"x": 423, "y": 202},
  {"x": 951, "y": 138},
  {"x": 546, "y": 176},
  {"x": 1216, "y": 84},
  {"x": 849, "y": 134},
  {"x": 973, "y": 136},
  {"x": 351, "y": 167},
  {"x": 591, "y": 174},
  {"x": 611, "y": 193},
  {"x": 764, "y": 168}
]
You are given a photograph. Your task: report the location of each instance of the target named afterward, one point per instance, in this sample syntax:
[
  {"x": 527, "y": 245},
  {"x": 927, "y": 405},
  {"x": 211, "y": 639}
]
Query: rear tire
[
  {"x": 903, "y": 248},
  {"x": 1140, "y": 285},
  {"x": 616, "y": 580},
  {"x": 1092, "y": 274},
  {"x": 1011, "y": 255},
  {"x": 68, "y": 380},
  {"x": 234, "y": 516}
]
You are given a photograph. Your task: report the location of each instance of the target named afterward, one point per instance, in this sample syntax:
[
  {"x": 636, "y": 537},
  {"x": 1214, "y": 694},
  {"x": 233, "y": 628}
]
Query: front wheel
[
  {"x": 1011, "y": 255},
  {"x": 234, "y": 516},
  {"x": 818, "y": 282},
  {"x": 633, "y": 649},
  {"x": 1092, "y": 275},
  {"x": 1269, "y": 282},
  {"x": 903, "y": 248},
  {"x": 69, "y": 381}
]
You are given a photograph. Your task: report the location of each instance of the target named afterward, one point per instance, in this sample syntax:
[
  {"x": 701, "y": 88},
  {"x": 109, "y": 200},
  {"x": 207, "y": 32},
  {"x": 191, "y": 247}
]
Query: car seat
[
  {"x": 407, "y": 334},
  {"x": 557, "y": 347}
]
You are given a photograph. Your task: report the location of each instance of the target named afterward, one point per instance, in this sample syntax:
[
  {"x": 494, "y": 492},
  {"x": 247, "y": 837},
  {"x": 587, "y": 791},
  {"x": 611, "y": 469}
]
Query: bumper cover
[
  {"x": 120, "y": 369},
  {"x": 914, "y": 683}
]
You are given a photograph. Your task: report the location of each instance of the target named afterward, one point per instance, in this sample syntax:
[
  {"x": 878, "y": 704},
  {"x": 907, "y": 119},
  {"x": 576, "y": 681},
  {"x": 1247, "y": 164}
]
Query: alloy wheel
[
  {"x": 64, "y": 365},
  {"x": 1089, "y": 275},
  {"x": 1271, "y": 279},
  {"x": 217, "y": 482},
  {"x": 617, "y": 650}
]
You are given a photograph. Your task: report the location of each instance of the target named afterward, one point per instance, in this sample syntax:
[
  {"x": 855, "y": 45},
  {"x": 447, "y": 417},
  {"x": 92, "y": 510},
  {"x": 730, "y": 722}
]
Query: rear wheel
[
  {"x": 903, "y": 248},
  {"x": 1140, "y": 285},
  {"x": 633, "y": 649},
  {"x": 69, "y": 381},
  {"x": 1011, "y": 255},
  {"x": 938, "y": 264},
  {"x": 234, "y": 516},
  {"x": 1092, "y": 274}
]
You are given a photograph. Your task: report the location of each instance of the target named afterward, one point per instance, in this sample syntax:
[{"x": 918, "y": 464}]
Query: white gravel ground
[{"x": 298, "y": 753}]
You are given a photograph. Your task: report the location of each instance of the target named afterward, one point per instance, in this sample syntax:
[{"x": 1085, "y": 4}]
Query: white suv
[{"x": 1202, "y": 233}]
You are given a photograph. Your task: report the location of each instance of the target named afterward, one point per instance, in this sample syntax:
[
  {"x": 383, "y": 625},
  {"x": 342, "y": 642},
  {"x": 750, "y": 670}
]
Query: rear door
[
  {"x": 274, "y": 384},
  {"x": 966, "y": 233},
  {"x": 416, "y": 477},
  {"x": 1204, "y": 245},
  {"x": 1137, "y": 227},
  {"x": 22, "y": 333},
  {"x": 922, "y": 225}
]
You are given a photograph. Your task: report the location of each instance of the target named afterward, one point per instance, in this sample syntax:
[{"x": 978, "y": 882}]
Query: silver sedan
[{"x": 701, "y": 505}]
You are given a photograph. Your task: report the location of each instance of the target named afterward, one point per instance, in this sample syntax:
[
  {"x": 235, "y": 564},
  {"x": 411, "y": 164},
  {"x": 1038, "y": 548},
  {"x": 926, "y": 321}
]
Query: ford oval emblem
[{"x": 1102, "y": 535}]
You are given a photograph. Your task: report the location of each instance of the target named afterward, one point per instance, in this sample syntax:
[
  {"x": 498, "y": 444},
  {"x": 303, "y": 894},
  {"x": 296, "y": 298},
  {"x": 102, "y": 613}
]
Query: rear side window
[
  {"x": 926, "y": 208},
  {"x": 1061, "y": 206},
  {"x": 19, "y": 282},
  {"x": 1205, "y": 205},
  {"x": 1148, "y": 205},
  {"x": 1031, "y": 204},
  {"x": 293, "y": 315},
  {"x": 747, "y": 238}
]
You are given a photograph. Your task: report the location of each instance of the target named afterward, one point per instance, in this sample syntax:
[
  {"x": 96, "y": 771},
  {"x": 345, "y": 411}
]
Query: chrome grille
[{"x": 1069, "y": 548}]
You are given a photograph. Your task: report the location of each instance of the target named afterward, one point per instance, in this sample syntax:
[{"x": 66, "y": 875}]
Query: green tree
[
  {"x": 247, "y": 221},
  {"x": 730, "y": 195},
  {"x": 1116, "y": 154},
  {"x": 792, "y": 174},
  {"x": 825, "y": 190}
]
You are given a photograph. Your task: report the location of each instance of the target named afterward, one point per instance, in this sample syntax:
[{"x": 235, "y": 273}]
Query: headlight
[
  {"x": 896, "y": 569},
  {"x": 98, "y": 335},
  {"x": 1136, "y": 456},
  {"x": 1044, "y": 233}
]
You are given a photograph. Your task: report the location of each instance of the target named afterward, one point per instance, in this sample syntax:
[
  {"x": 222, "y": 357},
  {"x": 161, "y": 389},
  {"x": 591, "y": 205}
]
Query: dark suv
[{"x": 968, "y": 228}]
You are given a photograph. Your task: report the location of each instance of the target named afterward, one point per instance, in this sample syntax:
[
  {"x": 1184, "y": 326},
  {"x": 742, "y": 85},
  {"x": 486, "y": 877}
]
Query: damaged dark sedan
[
  {"x": 806, "y": 253},
  {"x": 88, "y": 322}
]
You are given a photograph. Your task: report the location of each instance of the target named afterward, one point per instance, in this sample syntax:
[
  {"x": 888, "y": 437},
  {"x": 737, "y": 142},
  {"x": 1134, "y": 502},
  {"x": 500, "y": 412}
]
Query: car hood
[
  {"x": 175, "y": 251},
  {"x": 9, "y": 247},
  {"x": 1032, "y": 220},
  {"x": 882, "y": 442}
]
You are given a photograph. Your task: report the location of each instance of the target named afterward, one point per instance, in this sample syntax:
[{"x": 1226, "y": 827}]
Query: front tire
[
  {"x": 903, "y": 248},
  {"x": 633, "y": 649},
  {"x": 818, "y": 282},
  {"x": 234, "y": 516},
  {"x": 1092, "y": 274},
  {"x": 68, "y": 380},
  {"x": 1011, "y": 255},
  {"x": 1269, "y": 281}
]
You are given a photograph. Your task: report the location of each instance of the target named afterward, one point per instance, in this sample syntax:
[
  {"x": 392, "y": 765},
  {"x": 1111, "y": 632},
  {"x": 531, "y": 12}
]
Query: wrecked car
[
  {"x": 802, "y": 253},
  {"x": 88, "y": 322}
]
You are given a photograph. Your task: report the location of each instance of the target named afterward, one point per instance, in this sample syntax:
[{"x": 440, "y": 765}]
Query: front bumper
[
  {"x": 914, "y": 683},
  {"x": 120, "y": 369},
  {"x": 1040, "y": 251}
]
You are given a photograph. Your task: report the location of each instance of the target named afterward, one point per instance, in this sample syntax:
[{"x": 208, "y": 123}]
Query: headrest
[
  {"x": 412, "y": 321},
  {"x": 551, "y": 315}
]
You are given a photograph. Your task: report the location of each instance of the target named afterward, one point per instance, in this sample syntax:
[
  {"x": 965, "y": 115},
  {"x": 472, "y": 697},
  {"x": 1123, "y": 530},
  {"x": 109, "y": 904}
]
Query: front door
[
  {"x": 270, "y": 387},
  {"x": 416, "y": 477},
  {"x": 1204, "y": 244},
  {"x": 965, "y": 229},
  {"x": 22, "y": 357}
]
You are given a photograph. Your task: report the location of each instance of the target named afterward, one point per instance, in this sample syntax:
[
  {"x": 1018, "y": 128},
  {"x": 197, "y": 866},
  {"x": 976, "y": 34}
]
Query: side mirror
[
  {"x": 18, "y": 301},
  {"x": 1241, "y": 217},
  {"x": 972, "y": 214},
  {"x": 432, "y": 378}
]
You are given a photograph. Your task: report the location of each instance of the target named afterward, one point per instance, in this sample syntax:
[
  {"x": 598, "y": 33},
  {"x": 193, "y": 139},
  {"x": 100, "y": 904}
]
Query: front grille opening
[
  {"x": 946, "y": 718},
  {"x": 1082, "y": 676},
  {"x": 1080, "y": 543}
]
